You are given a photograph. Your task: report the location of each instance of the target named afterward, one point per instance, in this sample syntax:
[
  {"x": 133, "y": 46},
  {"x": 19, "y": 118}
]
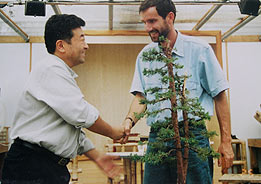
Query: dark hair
[
  {"x": 163, "y": 7},
  {"x": 59, "y": 27}
]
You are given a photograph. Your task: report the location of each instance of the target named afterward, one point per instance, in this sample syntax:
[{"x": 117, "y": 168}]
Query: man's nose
[
  {"x": 86, "y": 46},
  {"x": 148, "y": 27}
]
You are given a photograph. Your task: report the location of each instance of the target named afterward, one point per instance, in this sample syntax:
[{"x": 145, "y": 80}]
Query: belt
[{"x": 40, "y": 150}]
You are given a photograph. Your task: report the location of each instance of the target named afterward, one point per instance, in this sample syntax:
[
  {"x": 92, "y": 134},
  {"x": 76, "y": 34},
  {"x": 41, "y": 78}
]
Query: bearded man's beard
[{"x": 155, "y": 34}]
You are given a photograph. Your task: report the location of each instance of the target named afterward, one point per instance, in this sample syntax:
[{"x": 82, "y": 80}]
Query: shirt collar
[
  {"x": 178, "y": 48},
  {"x": 74, "y": 75}
]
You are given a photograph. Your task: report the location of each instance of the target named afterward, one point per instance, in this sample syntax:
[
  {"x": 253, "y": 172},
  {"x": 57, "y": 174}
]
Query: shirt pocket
[{"x": 192, "y": 87}]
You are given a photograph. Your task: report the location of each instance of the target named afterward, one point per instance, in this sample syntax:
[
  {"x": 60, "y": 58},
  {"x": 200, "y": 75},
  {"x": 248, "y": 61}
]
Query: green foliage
[
  {"x": 154, "y": 158},
  {"x": 163, "y": 150}
]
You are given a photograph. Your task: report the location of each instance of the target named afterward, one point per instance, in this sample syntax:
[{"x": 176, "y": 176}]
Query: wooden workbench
[{"x": 241, "y": 178}]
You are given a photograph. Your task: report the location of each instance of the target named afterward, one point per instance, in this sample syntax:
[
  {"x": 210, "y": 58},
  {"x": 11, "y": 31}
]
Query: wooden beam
[
  {"x": 37, "y": 39},
  {"x": 31, "y": 53},
  {"x": 18, "y": 39},
  {"x": 40, "y": 39},
  {"x": 200, "y": 33},
  {"x": 11, "y": 39},
  {"x": 206, "y": 17},
  {"x": 244, "y": 38},
  {"x": 254, "y": 143},
  {"x": 114, "y": 33},
  {"x": 143, "y": 33},
  {"x": 13, "y": 25},
  {"x": 219, "y": 48}
]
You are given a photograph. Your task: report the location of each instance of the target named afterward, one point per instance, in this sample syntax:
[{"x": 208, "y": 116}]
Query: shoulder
[
  {"x": 195, "y": 42},
  {"x": 49, "y": 66},
  {"x": 50, "y": 62}
]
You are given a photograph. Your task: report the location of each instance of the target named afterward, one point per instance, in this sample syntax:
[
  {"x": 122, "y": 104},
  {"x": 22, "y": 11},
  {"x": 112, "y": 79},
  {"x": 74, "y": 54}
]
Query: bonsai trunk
[{"x": 177, "y": 141}]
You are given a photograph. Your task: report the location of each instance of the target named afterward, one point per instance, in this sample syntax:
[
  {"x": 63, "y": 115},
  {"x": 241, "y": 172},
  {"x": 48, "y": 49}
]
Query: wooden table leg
[
  {"x": 133, "y": 172},
  {"x": 127, "y": 170},
  {"x": 253, "y": 159}
]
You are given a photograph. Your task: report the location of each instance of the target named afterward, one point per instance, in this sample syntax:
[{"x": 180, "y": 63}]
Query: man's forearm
[
  {"x": 93, "y": 154},
  {"x": 102, "y": 128},
  {"x": 223, "y": 115},
  {"x": 131, "y": 119},
  {"x": 136, "y": 107}
]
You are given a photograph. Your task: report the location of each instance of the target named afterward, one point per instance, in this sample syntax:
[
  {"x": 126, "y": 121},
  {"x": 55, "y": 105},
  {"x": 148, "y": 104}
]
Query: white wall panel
[{"x": 14, "y": 69}]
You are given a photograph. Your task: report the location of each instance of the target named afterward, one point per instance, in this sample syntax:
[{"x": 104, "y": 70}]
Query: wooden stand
[
  {"x": 240, "y": 161},
  {"x": 133, "y": 170},
  {"x": 254, "y": 146},
  {"x": 74, "y": 170}
]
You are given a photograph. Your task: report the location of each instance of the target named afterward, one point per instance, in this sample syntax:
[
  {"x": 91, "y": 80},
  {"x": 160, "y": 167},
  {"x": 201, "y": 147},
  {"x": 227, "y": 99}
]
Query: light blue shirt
[
  {"x": 52, "y": 110},
  {"x": 207, "y": 78}
]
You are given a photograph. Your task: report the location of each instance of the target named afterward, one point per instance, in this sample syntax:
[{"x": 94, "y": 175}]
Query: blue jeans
[{"x": 199, "y": 171}]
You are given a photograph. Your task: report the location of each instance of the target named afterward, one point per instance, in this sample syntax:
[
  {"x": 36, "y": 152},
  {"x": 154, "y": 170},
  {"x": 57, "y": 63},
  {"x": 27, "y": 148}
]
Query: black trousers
[{"x": 23, "y": 165}]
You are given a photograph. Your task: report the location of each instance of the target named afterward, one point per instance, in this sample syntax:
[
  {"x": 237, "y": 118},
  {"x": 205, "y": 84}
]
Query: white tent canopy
[{"x": 200, "y": 15}]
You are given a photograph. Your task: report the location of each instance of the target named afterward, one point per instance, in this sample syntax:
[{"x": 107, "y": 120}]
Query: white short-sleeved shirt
[{"x": 52, "y": 110}]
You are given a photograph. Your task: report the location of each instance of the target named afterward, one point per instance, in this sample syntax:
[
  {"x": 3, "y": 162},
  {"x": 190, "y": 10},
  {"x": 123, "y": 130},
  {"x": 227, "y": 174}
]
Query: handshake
[{"x": 122, "y": 132}]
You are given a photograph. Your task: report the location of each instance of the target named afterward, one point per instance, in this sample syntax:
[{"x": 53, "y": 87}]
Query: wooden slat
[
  {"x": 18, "y": 39},
  {"x": 200, "y": 33},
  {"x": 31, "y": 53},
  {"x": 239, "y": 162},
  {"x": 235, "y": 178},
  {"x": 244, "y": 38},
  {"x": 219, "y": 47},
  {"x": 40, "y": 39},
  {"x": 115, "y": 33},
  {"x": 11, "y": 39},
  {"x": 254, "y": 143}
]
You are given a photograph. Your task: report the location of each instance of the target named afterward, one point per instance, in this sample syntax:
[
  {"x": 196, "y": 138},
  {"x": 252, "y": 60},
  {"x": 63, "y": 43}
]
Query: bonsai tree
[{"x": 169, "y": 130}]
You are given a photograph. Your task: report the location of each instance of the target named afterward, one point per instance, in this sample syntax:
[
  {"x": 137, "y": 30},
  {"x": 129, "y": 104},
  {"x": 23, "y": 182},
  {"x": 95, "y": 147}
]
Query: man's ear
[
  {"x": 60, "y": 46},
  {"x": 170, "y": 17}
]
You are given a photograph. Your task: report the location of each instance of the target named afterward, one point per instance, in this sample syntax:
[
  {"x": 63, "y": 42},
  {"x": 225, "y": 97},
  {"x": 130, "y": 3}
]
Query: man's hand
[
  {"x": 105, "y": 163},
  {"x": 226, "y": 156},
  {"x": 127, "y": 125},
  {"x": 117, "y": 133},
  {"x": 135, "y": 108}
]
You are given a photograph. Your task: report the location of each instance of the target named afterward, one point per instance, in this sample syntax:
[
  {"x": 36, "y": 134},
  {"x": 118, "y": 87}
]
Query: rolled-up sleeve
[
  {"x": 85, "y": 144},
  {"x": 137, "y": 82}
]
